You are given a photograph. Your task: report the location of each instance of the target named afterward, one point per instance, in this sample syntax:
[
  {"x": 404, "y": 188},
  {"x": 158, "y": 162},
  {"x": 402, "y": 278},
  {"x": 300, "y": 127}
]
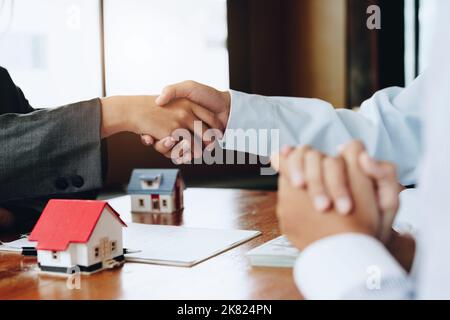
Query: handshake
[
  {"x": 183, "y": 120},
  {"x": 319, "y": 196}
]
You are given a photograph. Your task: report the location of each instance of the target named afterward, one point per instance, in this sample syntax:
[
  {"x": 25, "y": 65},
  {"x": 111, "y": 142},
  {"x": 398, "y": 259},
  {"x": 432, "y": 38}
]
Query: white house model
[
  {"x": 78, "y": 235},
  {"x": 156, "y": 190}
]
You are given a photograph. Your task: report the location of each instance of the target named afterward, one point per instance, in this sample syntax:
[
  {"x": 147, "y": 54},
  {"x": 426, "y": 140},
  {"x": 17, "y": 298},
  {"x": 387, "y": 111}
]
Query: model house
[
  {"x": 156, "y": 190},
  {"x": 78, "y": 235}
]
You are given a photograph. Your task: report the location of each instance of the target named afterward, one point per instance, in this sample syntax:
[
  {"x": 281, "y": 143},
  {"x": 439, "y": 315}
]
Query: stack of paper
[
  {"x": 16, "y": 245},
  {"x": 275, "y": 253}
]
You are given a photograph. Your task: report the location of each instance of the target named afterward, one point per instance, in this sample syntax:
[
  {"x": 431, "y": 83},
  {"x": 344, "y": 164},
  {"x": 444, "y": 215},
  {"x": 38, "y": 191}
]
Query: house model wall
[
  {"x": 89, "y": 240},
  {"x": 156, "y": 190}
]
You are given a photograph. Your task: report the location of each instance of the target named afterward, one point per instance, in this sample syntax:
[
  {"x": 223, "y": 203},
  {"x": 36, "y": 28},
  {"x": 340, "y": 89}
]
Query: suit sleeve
[
  {"x": 51, "y": 151},
  {"x": 388, "y": 123}
]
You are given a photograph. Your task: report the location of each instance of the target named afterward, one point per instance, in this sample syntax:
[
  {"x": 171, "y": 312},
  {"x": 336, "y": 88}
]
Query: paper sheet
[{"x": 179, "y": 246}]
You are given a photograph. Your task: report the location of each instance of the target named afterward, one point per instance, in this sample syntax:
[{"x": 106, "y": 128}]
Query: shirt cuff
[
  {"x": 334, "y": 266},
  {"x": 249, "y": 124}
]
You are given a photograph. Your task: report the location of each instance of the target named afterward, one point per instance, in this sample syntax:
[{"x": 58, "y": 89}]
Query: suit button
[
  {"x": 77, "y": 181},
  {"x": 61, "y": 183}
]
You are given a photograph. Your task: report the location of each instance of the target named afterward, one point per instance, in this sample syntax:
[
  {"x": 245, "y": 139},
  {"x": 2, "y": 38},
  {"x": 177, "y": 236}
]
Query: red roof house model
[{"x": 68, "y": 221}]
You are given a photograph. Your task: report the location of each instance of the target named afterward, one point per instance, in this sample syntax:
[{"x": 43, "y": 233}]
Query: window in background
[
  {"x": 427, "y": 18},
  {"x": 410, "y": 41},
  {"x": 152, "y": 43},
  {"x": 52, "y": 49}
]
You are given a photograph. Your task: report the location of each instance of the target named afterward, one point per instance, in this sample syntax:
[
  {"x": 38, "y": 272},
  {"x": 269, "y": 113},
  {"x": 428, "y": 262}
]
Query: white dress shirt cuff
[
  {"x": 249, "y": 124},
  {"x": 333, "y": 267}
]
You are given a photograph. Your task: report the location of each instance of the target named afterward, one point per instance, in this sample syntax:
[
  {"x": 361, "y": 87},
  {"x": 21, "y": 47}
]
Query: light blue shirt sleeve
[{"x": 389, "y": 123}]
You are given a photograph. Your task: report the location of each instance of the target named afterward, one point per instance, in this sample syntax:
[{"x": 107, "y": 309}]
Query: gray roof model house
[{"x": 156, "y": 190}]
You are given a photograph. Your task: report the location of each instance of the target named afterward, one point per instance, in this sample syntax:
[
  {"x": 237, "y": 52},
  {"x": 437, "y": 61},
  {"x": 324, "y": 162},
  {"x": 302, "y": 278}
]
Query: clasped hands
[{"x": 321, "y": 196}]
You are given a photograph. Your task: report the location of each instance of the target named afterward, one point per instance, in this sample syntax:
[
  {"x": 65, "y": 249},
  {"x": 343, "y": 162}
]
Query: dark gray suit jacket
[{"x": 49, "y": 152}]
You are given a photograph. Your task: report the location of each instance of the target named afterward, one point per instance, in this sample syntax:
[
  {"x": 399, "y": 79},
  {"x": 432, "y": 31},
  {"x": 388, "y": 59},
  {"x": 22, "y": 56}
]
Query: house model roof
[
  {"x": 167, "y": 184},
  {"x": 68, "y": 221}
]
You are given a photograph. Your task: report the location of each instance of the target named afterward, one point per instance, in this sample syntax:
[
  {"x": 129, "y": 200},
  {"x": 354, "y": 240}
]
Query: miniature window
[
  {"x": 55, "y": 255},
  {"x": 113, "y": 245},
  {"x": 141, "y": 202},
  {"x": 150, "y": 182},
  {"x": 164, "y": 203},
  {"x": 97, "y": 252},
  {"x": 155, "y": 204}
]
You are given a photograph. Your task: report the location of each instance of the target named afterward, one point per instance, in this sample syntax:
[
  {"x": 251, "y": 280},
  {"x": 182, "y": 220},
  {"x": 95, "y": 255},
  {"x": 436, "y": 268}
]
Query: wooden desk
[{"x": 227, "y": 276}]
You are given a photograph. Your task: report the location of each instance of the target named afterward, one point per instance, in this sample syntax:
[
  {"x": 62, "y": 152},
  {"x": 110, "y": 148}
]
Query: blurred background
[{"x": 62, "y": 51}]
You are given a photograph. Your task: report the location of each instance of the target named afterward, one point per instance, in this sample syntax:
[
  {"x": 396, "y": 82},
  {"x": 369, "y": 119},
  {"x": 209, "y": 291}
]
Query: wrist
[
  {"x": 225, "y": 114},
  {"x": 114, "y": 116},
  {"x": 124, "y": 113},
  {"x": 402, "y": 247}
]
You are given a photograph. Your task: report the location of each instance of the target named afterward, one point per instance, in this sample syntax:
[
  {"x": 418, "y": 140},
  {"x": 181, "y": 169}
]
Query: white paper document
[
  {"x": 16, "y": 245},
  {"x": 179, "y": 246},
  {"x": 166, "y": 245}
]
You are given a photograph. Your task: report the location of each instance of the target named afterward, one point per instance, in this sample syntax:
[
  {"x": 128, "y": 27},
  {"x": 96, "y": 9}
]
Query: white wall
[
  {"x": 148, "y": 206},
  {"x": 152, "y": 43},
  {"x": 107, "y": 226},
  {"x": 135, "y": 207},
  {"x": 65, "y": 258}
]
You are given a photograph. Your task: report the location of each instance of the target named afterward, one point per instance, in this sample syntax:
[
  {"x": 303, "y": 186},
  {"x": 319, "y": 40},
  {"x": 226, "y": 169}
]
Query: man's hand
[
  {"x": 218, "y": 102},
  {"x": 305, "y": 169},
  {"x": 302, "y": 222},
  {"x": 214, "y": 101}
]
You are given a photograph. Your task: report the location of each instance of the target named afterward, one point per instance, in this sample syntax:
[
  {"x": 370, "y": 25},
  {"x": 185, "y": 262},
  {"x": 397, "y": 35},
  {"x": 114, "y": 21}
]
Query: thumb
[
  {"x": 198, "y": 93},
  {"x": 385, "y": 176},
  {"x": 174, "y": 91}
]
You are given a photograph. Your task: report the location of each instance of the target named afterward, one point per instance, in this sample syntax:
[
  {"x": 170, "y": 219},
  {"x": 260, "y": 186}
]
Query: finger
[
  {"x": 362, "y": 189},
  {"x": 388, "y": 189},
  {"x": 199, "y": 139},
  {"x": 385, "y": 177},
  {"x": 165, "y": 145},
  {"x": 286, "y": 150},
  {"x": 196, "y": 126},
  {"x": 314, "y": 180},
  {"x": 275, "y": 158},
  {"x": 207, "y": 116},
  {"x": 178, "y": 152},
  {"x": 351, "y": 151},
  {"x": 147, "y": 139},
  {"x": 275, "y": 161},
  {"x": 172, "y": 92},
  {"x": 201, "y": 94},
  {"x": 293, "y": 170},
  {"x": 186, "y": 156},
  {"x": 335, "y": 178}
]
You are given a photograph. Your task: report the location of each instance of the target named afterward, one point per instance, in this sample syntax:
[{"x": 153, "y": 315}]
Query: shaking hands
[
  {"x": 173, "y": 121},
  {"x": 212, "y": 108}
]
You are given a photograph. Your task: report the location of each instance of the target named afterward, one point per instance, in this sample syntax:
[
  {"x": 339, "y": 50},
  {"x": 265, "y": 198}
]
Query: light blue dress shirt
[{"x": 388, "y": 123}]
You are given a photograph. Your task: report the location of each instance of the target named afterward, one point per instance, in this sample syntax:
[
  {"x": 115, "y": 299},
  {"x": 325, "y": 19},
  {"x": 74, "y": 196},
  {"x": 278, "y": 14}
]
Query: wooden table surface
[{"x": 226, "y": 276}]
